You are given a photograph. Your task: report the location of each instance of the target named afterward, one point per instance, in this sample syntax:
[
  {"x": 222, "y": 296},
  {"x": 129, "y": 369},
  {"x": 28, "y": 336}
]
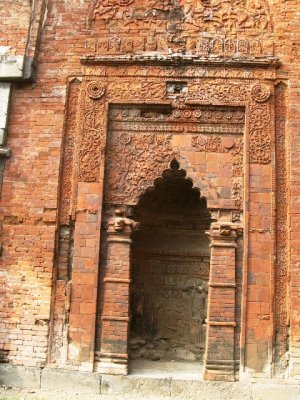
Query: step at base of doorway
[{"x": 139, "y": 385}]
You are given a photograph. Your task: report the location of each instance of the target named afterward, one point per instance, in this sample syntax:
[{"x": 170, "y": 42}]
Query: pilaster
[
  {"x": 115, "y": 304},
  {"x": 219, "y": 356}
]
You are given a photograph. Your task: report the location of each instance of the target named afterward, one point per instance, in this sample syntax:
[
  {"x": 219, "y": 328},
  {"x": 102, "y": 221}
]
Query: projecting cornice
[{"x": 178, "y": 59}]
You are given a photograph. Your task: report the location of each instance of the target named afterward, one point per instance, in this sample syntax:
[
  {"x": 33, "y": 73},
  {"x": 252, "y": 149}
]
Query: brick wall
[{"x": 31, "y": 189}]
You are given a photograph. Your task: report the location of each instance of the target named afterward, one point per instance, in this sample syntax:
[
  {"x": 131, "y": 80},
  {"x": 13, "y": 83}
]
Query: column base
[
  {"x": 111, "y": 368},
  {"x": 213, "y": 375},
  {"x": 219, "y": 371}
]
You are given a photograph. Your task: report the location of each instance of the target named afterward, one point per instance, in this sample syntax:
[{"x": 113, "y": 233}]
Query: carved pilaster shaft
[
  {"x": 219, "y": 354},
  {"x": 115, "y": 303}
]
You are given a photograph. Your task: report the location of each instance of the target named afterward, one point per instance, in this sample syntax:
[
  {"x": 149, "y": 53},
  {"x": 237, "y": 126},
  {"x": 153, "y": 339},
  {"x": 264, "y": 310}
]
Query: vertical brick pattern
[
  {"x": 219, "y": 360},
  {"x": 84, "y": 277}
]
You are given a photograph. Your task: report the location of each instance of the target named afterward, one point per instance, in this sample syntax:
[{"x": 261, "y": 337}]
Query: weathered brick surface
[
  {"x": 51, "y": 231},
  {"x": 15, "y": 21}
]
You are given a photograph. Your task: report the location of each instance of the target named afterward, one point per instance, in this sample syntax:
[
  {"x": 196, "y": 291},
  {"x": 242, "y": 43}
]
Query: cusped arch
[
  {"x": 173, "y": 193},
  {"x": 205, "y": 184}
]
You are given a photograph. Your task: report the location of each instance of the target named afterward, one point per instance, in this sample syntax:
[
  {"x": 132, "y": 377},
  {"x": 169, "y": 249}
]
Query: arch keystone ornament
[{"x": 219, "y": 358}]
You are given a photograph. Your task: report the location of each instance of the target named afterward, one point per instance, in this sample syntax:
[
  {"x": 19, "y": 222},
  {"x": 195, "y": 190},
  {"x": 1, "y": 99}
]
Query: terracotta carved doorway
[{"x": 170, "y": 259}]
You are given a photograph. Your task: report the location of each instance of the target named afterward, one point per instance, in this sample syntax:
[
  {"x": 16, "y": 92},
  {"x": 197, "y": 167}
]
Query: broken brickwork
[{"x": 126, "y": 94}]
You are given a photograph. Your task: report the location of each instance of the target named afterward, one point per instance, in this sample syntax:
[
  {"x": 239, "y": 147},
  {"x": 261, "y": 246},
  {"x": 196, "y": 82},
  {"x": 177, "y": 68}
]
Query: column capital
[
  {"x": 224, "y": 234},
  {"x": 120, "y": 225}
]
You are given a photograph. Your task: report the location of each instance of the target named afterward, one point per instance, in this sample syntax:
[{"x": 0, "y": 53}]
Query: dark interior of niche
[{"x": 155, "y": 110}]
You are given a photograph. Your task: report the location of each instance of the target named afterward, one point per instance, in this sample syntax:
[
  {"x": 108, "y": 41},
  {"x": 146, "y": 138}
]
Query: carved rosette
[
  {"x": 260, "y": 93},
  {"x": 96, "y": 90}
]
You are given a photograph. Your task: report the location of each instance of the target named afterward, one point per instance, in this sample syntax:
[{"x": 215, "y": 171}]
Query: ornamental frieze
[{"x": 228, "y": 17}]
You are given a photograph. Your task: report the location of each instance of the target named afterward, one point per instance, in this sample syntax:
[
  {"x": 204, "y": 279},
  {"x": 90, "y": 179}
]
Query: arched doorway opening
[{"x": 170, "y": 258}]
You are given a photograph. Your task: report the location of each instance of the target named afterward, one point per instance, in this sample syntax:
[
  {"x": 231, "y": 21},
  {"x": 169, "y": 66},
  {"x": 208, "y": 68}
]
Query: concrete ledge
[
  {"x": 5, "y": 93},
  {"x": 274, "y": 392},
  {"x": 211, "y": 390},
  {"x": 118, "y": 385},
  {"x": 11, "y": 67},
  {"x": 21, "y": 377},
  {"x": 70, "y": 381},
  {"x": 17, "y": 68}
]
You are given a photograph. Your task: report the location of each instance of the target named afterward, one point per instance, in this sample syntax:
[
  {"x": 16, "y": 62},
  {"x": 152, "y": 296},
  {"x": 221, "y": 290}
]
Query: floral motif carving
[
  {"x": 260, "y": 147},
  {"x": 139, "y": 90},
  {"x": 260, "y": 139},
  {"x": 237, "y": 165},
  {"x": 133, "y": 163},
  {"x": 92, "y": 141},
  {"x": 237, "y": 193},
  {"x": 210, "y": 144},
  {"x": 260, "y": 93},
  {"x": 95, "y": 90},
  {"x": 218, "y": 91},
  {"x": 104, "y": 9},
  {"x": 231, "y": 16},
  {"x": 229, "y": 118},
  {"x": 218, "y": 144},
  {"x": 70, "y": 136},
  {"x": 281, "y": 271}
]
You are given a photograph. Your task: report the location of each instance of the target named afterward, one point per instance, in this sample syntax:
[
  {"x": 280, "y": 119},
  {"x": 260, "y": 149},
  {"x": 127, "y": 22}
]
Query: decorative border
[
  {"x": 98, "y": 92},
  {"x": 154, "y": 91},
  {"x": 86, "y": 135}
]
